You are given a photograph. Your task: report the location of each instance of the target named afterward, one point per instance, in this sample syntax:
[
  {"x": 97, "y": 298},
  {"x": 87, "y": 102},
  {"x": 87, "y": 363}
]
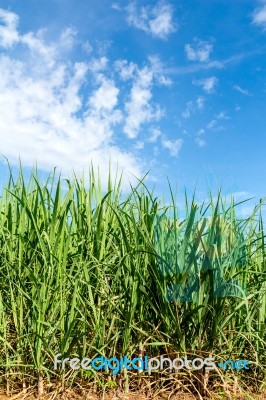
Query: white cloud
[
  {"x": 208, "y": 84},
  {"x": 87, "y": 47},
  {"x": 174, "y": 146},
  {"x": 8, "y": 28},
  {"x": 199, "y": 51},
  {"x": 67, "y": 38},
  {"x": 125, "y": 69},
  {"x": 98, "y": 65},
  {"x": 222, "y": 115},
  {"x": 201, "y": 132},
  {"x": 155, "y": 133},
  {"x": 105, "y": 98},
  {"x": 212, "y": 124},
  {"x": 157, "y": 20},
  {"x": 116, "y": 6},
  {"x": 242, "y": 91},
  {"x": 259, "y": 16},
  {"x": 49, "y": 113},
  {"x": 193, "y": 107},
  {"x": 9, "y": 37},
  {"x": 139, "y": 108},
  {"x": 102, "y": 46},
  {"x": 158, "y": 69},
  {"x": 200, "y": 102},
  {"x": 186, "y": 114},
  {"x": 139, "y": 145},
  {"x": 164, "y": 81},
  {"x": 161, "y": 25},
  {"x": 129, "y": 70},
  {"x": 200, "y": 142}
]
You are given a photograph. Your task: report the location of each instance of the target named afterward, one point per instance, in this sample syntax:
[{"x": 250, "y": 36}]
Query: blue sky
[{"x": 174, "y": 87}]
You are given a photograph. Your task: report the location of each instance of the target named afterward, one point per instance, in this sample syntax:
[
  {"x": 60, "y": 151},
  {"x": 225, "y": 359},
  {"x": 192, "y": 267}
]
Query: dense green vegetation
[{"x": 86, "y": 272}]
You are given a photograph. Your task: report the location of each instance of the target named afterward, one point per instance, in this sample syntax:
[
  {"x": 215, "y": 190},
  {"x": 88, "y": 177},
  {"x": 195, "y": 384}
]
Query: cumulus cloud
[
  {"x": 200, "y": 142},
  {"x": 223, "y": 115},
  {"x": 129, "y": 70},
  {"x": 87, "y": 47},
  {"x": 50, "y": 114},
  {"x": 208, "y": 84},
  {"x": 139, "y": 145},
  {"x": 139, "y": 109},
  {"x": 188, "y": 110},
  {"x": 8, "y": 28},
  {"x": 125, "y": 69},
  {"x": 192, "y": 107},
  {"x": 200, "y": 102},
  {"x": 159, "y": 69},
  {"x": 211, "y": 124},
  {"x": 156, "y": 21},
  {"x": 139, "y": 106},
  {"x": 201, "y": 132},
  {"x": 116, "y": 6},
  {"x": 259, "y": 16},
  {"x": 174, "y": 146},
  {"x": 155, "y": 133},
  {"x": 33, "y": 41},
  {"x": 214, "y": 124},
  {"x": 200, "y": 50}
]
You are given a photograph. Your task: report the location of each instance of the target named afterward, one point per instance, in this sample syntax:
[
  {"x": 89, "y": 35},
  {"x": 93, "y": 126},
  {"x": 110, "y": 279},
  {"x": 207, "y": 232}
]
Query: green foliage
[{"x": 82, "y": 272}]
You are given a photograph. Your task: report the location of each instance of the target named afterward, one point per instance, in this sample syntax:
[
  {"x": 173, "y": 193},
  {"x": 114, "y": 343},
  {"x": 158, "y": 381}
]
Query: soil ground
[{"x": 72, "y": 395}]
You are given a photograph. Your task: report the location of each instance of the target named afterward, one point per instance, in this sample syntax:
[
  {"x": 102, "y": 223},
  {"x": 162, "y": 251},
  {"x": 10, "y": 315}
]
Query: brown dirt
[{"x": 73, "y": 395}]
